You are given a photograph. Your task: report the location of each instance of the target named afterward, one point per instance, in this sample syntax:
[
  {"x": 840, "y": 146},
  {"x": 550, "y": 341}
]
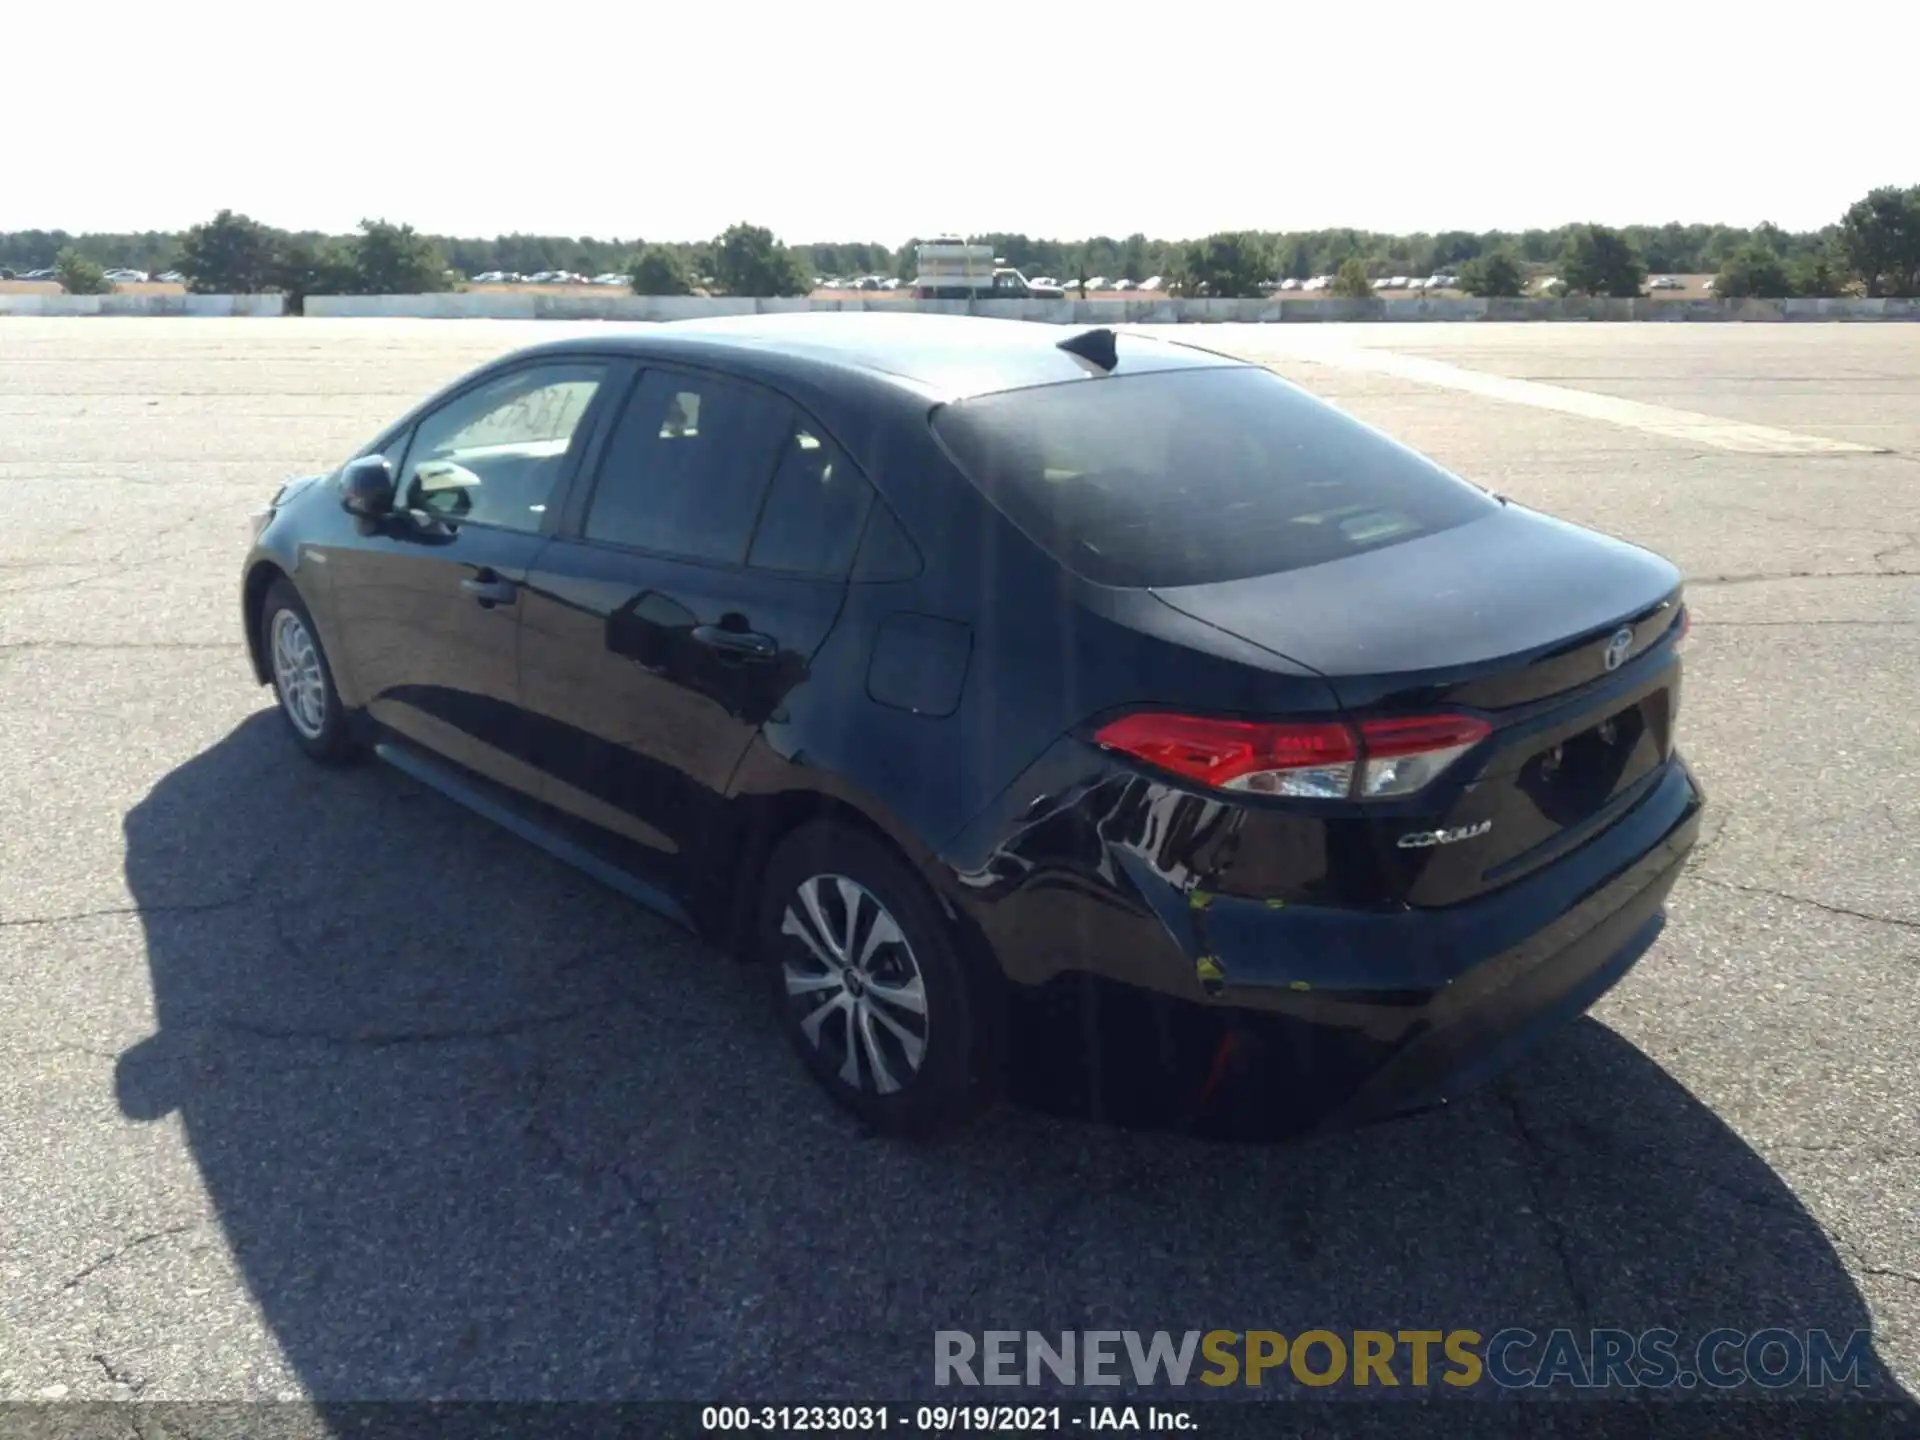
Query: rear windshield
[{"x": 1188, "y": 477}]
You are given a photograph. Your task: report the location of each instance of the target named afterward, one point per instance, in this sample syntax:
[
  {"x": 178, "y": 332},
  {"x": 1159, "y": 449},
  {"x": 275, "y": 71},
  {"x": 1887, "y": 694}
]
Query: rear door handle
[
  {"x": 489, "y": 589},
  {"x": 736, "y": 642}
]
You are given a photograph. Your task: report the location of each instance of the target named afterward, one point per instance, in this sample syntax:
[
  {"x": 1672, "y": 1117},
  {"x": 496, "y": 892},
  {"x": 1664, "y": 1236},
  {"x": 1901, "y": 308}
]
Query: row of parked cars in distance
[
  {"x": 1101, "y": 283},
  {"x": 546, "y": 277},
  {"x": 120, "y": 276},
  {"x": 1414, "y": 282},
  {"x": 1386, "y": 282},
  {"x": 1094, "y": 282},
  {"x": 1043, "y": 282},
  {"x": 1553, "y": 285},
  {"x": 1545, "y": 285}
]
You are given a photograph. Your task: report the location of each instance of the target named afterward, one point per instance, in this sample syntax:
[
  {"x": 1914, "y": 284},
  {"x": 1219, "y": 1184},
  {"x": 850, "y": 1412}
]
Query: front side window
[
  {"x": 687, "y": 465},
  {"x": 1188, "y": 477},
  {"x": 495, "y": 454}
]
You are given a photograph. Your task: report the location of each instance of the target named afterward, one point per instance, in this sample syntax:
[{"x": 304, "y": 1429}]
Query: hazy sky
[{"x": 855, "y": 120}]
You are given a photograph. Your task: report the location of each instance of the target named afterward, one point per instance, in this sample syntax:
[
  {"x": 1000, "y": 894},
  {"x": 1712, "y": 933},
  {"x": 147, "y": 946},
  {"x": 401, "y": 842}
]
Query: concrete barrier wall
[
  {"x": 497, "y": 305},
  {"x": 1143, "y": 310},
  {"x": 262, "y": 305}
]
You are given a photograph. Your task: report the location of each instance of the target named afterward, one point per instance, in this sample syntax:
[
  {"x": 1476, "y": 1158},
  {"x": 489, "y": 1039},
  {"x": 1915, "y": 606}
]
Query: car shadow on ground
[{"x": 476, "y": 1128}]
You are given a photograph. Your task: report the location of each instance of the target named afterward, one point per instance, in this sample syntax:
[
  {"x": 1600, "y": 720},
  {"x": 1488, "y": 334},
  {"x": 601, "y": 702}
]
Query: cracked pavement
[{"x": 313, "y": 1087}]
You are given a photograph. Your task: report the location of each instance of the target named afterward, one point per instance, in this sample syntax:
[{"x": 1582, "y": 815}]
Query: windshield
[{"x": 1194, "y": 476}]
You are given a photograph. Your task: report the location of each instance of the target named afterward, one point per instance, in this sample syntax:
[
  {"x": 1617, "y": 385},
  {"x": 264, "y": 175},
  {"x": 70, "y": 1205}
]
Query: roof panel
[{"x": 954, "y": 355}]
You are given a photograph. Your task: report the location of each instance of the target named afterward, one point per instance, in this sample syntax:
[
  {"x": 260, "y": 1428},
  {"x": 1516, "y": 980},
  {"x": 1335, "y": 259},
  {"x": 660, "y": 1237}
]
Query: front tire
[
  {"x": 869, "y": 984},
  {"x": 302, "y": 678}
]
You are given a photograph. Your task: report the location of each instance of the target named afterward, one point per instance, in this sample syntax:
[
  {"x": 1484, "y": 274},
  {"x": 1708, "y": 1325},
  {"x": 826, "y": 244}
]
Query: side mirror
[{"x": 366, "y": 487}]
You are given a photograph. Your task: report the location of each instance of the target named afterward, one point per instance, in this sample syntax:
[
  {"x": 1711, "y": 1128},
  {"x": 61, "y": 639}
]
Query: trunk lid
[
  {"x": 1561, "y": 638},
  {"x": 1497, "y": 610}
]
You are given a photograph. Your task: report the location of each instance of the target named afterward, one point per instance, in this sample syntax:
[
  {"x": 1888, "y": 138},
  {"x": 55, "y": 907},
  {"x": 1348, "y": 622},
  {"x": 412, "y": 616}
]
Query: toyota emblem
[{"x": 1618, "y": 646}]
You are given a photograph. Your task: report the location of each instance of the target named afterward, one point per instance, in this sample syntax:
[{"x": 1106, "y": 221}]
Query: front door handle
[
  {"x": 744, "y": 643},
  {"x": 489, "y": 589}
]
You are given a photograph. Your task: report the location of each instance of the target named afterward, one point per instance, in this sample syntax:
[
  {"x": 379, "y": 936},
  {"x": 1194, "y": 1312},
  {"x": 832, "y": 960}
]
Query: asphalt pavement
[{"x": 311, "y": 1086}]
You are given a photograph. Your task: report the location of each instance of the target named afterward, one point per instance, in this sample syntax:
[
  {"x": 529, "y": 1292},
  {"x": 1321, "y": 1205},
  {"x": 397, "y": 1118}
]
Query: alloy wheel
[
  {"x": 853, "y": 984},
  {"x": 297, "y": 674}
]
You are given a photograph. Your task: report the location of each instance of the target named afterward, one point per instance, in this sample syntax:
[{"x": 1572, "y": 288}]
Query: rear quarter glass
[{"x": 1196, "y": 476}]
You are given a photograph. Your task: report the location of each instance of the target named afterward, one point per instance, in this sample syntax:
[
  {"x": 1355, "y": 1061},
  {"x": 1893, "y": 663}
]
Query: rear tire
[
  {"x": 869, "y": 984},
  {"x": 302, "y": 678}
]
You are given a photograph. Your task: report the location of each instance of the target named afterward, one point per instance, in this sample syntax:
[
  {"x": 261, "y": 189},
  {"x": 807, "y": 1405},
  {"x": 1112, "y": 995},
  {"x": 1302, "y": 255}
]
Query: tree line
[{"x": 1872, "y": 249}]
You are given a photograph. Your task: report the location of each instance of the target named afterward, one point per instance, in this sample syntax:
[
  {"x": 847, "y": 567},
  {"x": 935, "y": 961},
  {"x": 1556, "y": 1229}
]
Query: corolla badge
[
  {"x": 1422, "y": 839},
  {"x": 1618, "y": 644}
]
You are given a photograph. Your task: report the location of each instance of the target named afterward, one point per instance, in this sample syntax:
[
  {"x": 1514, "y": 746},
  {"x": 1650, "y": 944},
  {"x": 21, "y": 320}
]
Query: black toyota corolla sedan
[{"x": 940, "y": 662}]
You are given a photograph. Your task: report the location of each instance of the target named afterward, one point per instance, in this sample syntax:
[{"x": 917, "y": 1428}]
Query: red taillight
[
  {"x": 1315, "y": 759},
  {"x": 1421, "y": 733},
  {"x": 1404, "y": 755},
  {"x": 1269, "y": 759}
]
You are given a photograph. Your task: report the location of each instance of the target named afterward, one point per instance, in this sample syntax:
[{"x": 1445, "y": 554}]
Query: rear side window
[
  {"x": 687, "y": 466},
  {"x": 815, "y": 507},
  {"x": 1190, "y": 477}
]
